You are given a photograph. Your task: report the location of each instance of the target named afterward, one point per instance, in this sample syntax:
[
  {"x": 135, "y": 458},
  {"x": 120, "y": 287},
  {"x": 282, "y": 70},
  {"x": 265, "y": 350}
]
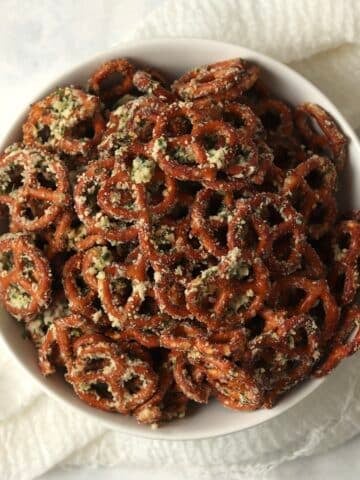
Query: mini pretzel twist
[
  {"x": 310, "y": 187},
  {"x": 221, "y": 80},
  {"x": 25, "y": 279},
  {"x": 110, "y": 376},
  {"x": 34, "y": 185},
  {"x": 330, "y": 141},
  {"x": 66, "y": 121}
]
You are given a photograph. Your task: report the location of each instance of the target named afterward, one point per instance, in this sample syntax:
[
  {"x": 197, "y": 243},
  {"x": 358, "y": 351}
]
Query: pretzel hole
[
  {"x": 241, "y": 155},
  {"x": 292, "y": 296},
  {"x": 283, "y": 246},
  {"x": 110, "y": 81},
  {"x": 150, "y": 274},
  {"x": 234, "y": 119},
  {"x": 44, "y": 134},
  {"x": 28, "y": 213},
  {"x": 315, "y": 179},
  {"x": 339, "y": 284},
  {"x": 189, "y": 187},
  {"x": 284, "y": 158},
  {"x": 28, "y": 268},
  {"x": 101, "y": 389},
  {"x": 81, "y": 286},
  {"x": 247, "y": 234},
  {"x": 6, "y": 261},
  {"x": 96, "y": 304},
  {"x": 255, "y": 326},
  {"x": 156, "y": 192},
  {"x": 271, "y": 215},
  {"x": 134, "y": 384},
  {"x": 179, "y": 211},
  {"x": 215, "y": 205},
  {"x": 121, "y": 289},
  {"x": 318, "y": 314},
  {"x": 291, "y": 364},
  {"x": 164, "y": 239},
  {"x": 313, "y": 124},
  {"x": 179, "y": 125},
  {"x": 96, "y": 364},
  {"x": 298, "y": 199},
  {"x": 263, "y": 360},
  {"x": 240, "y": 302},
  {"x": 144, "y": 129},
  {"x": 194, "y": 242},
  {"x": 46, "y": 179},
  {"x": 271, "y": 120},
  {"x": 318, "y": 214},
  {"x": 83, "y": 129},
  {"x": 213, "y": 141},
  {"x": 148, "y": 307},
  {"x": 221, "y": 234},
  {"x": 300, "y": 338},
  {"x": 344, "y": 240},
  {"x": 11, "y": 178},
  {"x": 90, "y": 193}
]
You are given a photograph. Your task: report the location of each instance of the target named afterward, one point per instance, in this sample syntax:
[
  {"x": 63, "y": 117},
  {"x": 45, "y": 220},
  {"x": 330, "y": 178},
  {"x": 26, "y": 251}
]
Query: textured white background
[{"x": 40, "y": 37}]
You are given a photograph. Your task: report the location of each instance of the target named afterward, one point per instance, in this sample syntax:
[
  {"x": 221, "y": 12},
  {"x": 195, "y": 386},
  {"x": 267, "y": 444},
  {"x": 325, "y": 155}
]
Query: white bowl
[{"x": 175, "y": 56}]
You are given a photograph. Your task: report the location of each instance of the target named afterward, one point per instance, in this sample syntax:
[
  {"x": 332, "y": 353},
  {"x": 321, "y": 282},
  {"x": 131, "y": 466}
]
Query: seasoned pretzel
[
  {"x": 234, "y": 387},
  {"x": 82, "y": 299},
  {"x": 344, "y": 274},
  {"x": 275, "y": 116},
  {"x": 288, "y": 152},
  {"x": 134, "y": 166},
  {"x": 126, "y": 294},
  {"x": 242, "y": 118},
  {"x": 110, "y": 376},
  {"x": 167, "y": 403},
  {"x": 310, "y": 188},
  {"x": 346, "y": 343},
  {"x": 281, "y": 360},
  {"x": 210, "y": 219},
  {"x": 221, "y": 80},
  {"x": 145, "y": 83},
  {"x": 38, "y": 326},
  {"x": 66, "y": 121},
  {"x": 194, "y": 387},
  {"x": 34, "y": 185},
  {"x": 25, "y": 277},
  {"x": 300, "y": 295},
  {"x": 57, "y": 236},
  {"x": 330, "y": 139},
  {"x": 88, "y": 209},
  {"x": 105, "y": 81},
  {"x": 197, "y": 342},
  {"x": 275, "y": 231},
  {"x": 94, "y": 261},
  {"x": 230, "y": 293},
  {"x": 57, "y": 346},
  {"x": 132, "y": 122}
]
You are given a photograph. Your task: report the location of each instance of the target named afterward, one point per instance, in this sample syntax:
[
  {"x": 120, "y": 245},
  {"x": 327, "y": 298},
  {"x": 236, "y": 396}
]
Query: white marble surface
[{"x": 40, "y": 37}]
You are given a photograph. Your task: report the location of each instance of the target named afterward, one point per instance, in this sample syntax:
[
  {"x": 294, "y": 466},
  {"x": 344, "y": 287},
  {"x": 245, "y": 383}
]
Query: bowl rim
[{"x": 309, "y": 385}]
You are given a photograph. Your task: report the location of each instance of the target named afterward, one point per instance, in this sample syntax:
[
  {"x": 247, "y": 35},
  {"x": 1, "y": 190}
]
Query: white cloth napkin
[{"x": 321, "y": 40}]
